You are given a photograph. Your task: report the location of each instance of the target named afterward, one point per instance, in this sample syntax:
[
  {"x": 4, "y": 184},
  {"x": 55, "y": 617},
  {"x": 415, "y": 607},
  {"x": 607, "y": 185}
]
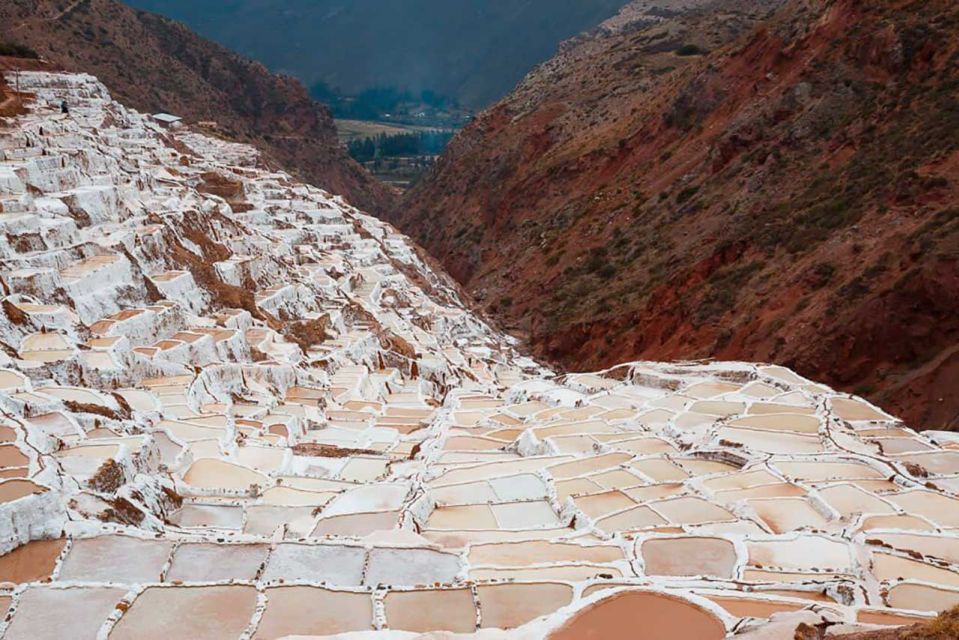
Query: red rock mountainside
[
  {"x": 154, "y": 64},
  {"x": 770, "y": 181}
]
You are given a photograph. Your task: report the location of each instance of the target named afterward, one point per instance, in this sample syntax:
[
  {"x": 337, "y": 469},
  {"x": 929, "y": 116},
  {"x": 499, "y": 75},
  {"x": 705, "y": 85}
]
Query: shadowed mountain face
[
  {"x": 156, "y": 64},
  {"x": 471, "y": 50},
  {"x": 772, "y": 181}
]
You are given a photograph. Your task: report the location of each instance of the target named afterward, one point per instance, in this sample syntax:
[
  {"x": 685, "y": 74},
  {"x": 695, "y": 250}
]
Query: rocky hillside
[
  {"x": 155, "y": 64},
  {"x": 771, "y": 181}
]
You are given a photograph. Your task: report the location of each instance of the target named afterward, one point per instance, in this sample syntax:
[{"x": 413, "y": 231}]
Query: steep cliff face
[
  {"x": 155, "y": 64},
  {"x": 774, "y": 181}
]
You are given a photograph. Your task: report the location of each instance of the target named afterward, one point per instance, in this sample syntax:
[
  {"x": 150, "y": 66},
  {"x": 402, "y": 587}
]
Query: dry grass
[
  {"x": 944, "y": 627},
  {"x": 349, "y": 130},
  {"x": 108, "y": 478},
  {"x": 307, "y": 333},
  {"x": 11, "y": 103}
]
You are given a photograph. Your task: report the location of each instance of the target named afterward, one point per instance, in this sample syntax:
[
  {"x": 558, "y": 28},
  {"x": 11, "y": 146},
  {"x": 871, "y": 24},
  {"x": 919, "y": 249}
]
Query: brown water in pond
[
  {"x": 889, "y": 567},
  {"x": 758, "y": 408},
  {"x": 773, "y": 442},
  {"x": 580, "y": 467},
  {"x": 47, "y": 613},
  {"x": 820, "y": 470},
  {"x": 617, "y": 479},
  {"x": 660, "y": 470},
  {"x": 780, "y": 421},
  {"x": 689, "y": 557},
  {"x": 33, "y": 561},
  {"x": 465, "y": 517},
  {"x": 848, "y": 500},
  {"x": 742, "y": 607},
  {"x": 654, "y": 492},
  {"x": 576, "y": 486},
  {"x": 355, "y": 524},
  {"x": 639, "y": 615},
  {"x": 506, "y": 606},
  {"x": 468, "y": 443},
  {"x": 894, "y": 446},
  {"x": 115, "y": 559},
  {"x": 944, "y": 548},
  {"x": 201, "y": 515},
  {"x": 761, "y": 575},
  {"x": 10, "y": 380},
  {"x": 199, "y": 562},
  {"x": 600, "y": 504},
  {"x": 187, "y": 613},
  {"x": 922, "y": 597},
  {"x": 15, "y": 489},
  {"x": 717, "y": 407},
  {"x": 817, "y": 596},
  {"x": 564, "y": 572},
  {"x": 637, "y": 518},
  {"x": 311, "y": 610},
  {"x": 741, "y": 480},
  {"x": 811, "y": 553},
  {"x": 895, "y": 522},
  {"x": 710, "y": 389},
  {"x": 521, "y": 554},
  {"x": 849, "y": 409},
  {"x": 779, "y": 490},
  {"x": 888, "y": 619},
  {"x": 447, "y": 610},
  {"x": 938, "y": 463},
  {"x": 706, "y": 467},
  {"x": 940, "y": 509},
  {"x": 11, "y": 456},
  {"x": 218, "y": 474},
  {"x": 787, "y": 514},
  {"x": 691, "y": 510},
  {"x": 525, "y": 515}
]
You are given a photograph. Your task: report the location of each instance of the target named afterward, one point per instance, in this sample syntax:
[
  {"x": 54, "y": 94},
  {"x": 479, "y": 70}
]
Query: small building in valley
[{"x": 167, "y": 121}]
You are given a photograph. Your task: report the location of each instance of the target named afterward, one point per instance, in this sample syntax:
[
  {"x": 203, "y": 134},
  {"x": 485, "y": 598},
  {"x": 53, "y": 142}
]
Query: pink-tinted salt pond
[
  {"x": 691, "y": 556},
  {"x": 431, "y": 610},
  {"x": 32, "y": 561},
  {"x": 311, "y": 610},
  {"x": 187, "y": 613},
  {"x": 506, "y": 606},
  {"x": 641, "y": 615}
]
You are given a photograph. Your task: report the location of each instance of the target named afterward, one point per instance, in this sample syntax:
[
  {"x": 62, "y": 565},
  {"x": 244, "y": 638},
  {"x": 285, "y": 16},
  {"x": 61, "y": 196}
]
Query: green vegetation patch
[
  {"x": 722, "y": 290},
  {"x": 14, "y": 50},
  {"x": 421, "y": 143},
  {"x": 691, "y": 50}
]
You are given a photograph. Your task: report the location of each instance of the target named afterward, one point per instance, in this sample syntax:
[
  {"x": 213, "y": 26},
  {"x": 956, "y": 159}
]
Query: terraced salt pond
[{"x": 279, "y": 421}]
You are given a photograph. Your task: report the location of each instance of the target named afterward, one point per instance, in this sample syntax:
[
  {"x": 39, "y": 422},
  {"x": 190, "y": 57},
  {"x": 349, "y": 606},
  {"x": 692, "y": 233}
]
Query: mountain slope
[
  {"x": 281, "y": 422},
  {"x": 156, "y": 64},
  {"x": 725, "y": 183},
  {"x": 471, "y": 50}
]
